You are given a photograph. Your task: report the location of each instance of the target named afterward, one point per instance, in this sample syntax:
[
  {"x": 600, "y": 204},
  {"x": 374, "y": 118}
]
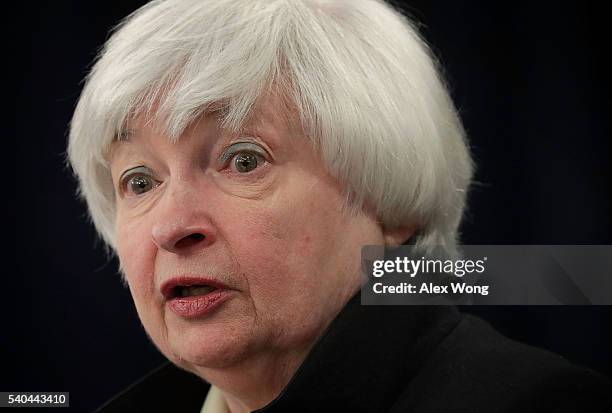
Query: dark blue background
[{"x": 527, "y": 78}]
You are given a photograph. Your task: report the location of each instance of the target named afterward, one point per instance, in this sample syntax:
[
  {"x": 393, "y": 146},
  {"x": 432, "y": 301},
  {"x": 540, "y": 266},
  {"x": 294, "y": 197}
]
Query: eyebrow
[
  {"x": 124, "y": 135},
  {"x": 120, "y": 139}
]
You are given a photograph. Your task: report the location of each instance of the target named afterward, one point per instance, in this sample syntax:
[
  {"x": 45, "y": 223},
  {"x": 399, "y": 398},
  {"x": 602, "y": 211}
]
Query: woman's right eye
[{"x": 137, "y": 183}]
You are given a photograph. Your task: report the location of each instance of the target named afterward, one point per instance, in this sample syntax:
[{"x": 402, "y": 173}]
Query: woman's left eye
[
  {"x": 244, "y": 162},
  {"x": 243, "y": 157}
]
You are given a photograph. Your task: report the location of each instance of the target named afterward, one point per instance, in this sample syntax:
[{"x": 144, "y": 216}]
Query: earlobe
[{"x": 398, "y": 235}]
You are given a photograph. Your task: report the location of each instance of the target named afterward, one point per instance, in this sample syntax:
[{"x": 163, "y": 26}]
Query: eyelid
[
  {"x": 132, "y": 171},
  {"x": 234, "y": 148}
]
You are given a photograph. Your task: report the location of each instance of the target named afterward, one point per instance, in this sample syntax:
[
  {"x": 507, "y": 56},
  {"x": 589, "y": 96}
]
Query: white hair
[{"x": 367, "y": 89}]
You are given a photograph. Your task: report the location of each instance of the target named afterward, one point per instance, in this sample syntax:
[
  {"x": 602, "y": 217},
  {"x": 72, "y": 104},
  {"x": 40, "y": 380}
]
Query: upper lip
[{"x": 168, "y": 288}]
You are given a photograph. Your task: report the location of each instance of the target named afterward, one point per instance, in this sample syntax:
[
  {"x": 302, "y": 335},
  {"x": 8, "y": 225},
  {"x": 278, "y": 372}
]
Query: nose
[
  {"x": 177, "y": 238},
  {"x": 182, "y": 222}
]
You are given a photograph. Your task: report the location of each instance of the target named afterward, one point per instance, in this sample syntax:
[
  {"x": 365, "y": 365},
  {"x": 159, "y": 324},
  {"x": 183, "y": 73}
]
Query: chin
[{"x": 206, "y": 345}]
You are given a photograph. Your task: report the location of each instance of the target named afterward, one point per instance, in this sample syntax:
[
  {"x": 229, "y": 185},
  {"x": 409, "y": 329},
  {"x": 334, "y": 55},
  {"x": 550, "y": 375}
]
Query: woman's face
[{"x": 253, "y": 215}]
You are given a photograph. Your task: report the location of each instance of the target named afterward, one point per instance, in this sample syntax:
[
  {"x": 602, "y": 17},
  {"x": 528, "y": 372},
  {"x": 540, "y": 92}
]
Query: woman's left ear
[{"x": 398, "y": 235}]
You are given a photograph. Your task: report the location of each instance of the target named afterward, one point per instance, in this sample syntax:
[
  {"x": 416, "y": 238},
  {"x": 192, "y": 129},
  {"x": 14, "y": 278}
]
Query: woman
[{"x": 236, "y": 155}]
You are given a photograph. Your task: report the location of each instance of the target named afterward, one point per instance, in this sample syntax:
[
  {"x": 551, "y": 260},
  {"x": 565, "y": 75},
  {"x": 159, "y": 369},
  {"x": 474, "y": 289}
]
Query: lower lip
[{"x": 198, "y": 305}]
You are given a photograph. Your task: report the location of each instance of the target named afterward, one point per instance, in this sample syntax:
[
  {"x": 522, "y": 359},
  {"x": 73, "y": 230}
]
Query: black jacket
[{"x": 403, "y": 359}]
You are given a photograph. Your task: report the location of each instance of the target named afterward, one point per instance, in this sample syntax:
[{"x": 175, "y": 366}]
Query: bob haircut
[{"x": 367, "y": 89}]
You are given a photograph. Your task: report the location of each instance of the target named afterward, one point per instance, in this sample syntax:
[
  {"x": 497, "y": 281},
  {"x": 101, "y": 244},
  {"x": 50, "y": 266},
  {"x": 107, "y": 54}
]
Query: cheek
[
  {"x": 287, "y": 248},
  {"x": 137, "y": 256},
  {"x": 134, "y": 253}
]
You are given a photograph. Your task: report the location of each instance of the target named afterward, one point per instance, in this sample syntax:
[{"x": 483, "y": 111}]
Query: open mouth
[
  {"x": 194, "y": 297},
  {"x": 191, "y": 291},
  {"x": 186, "y": 287}
]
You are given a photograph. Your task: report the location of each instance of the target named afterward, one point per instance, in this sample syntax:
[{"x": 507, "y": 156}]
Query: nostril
[{"x": 189, "y": 240}]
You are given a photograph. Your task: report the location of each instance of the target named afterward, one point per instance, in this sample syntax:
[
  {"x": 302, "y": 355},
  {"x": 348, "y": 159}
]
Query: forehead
[{"x": 271, "y": 117}]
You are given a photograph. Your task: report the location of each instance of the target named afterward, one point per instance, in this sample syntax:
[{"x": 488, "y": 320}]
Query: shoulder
[
  {"x": 475, "y": 368},
  {"x": 166, "y": 388}
]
